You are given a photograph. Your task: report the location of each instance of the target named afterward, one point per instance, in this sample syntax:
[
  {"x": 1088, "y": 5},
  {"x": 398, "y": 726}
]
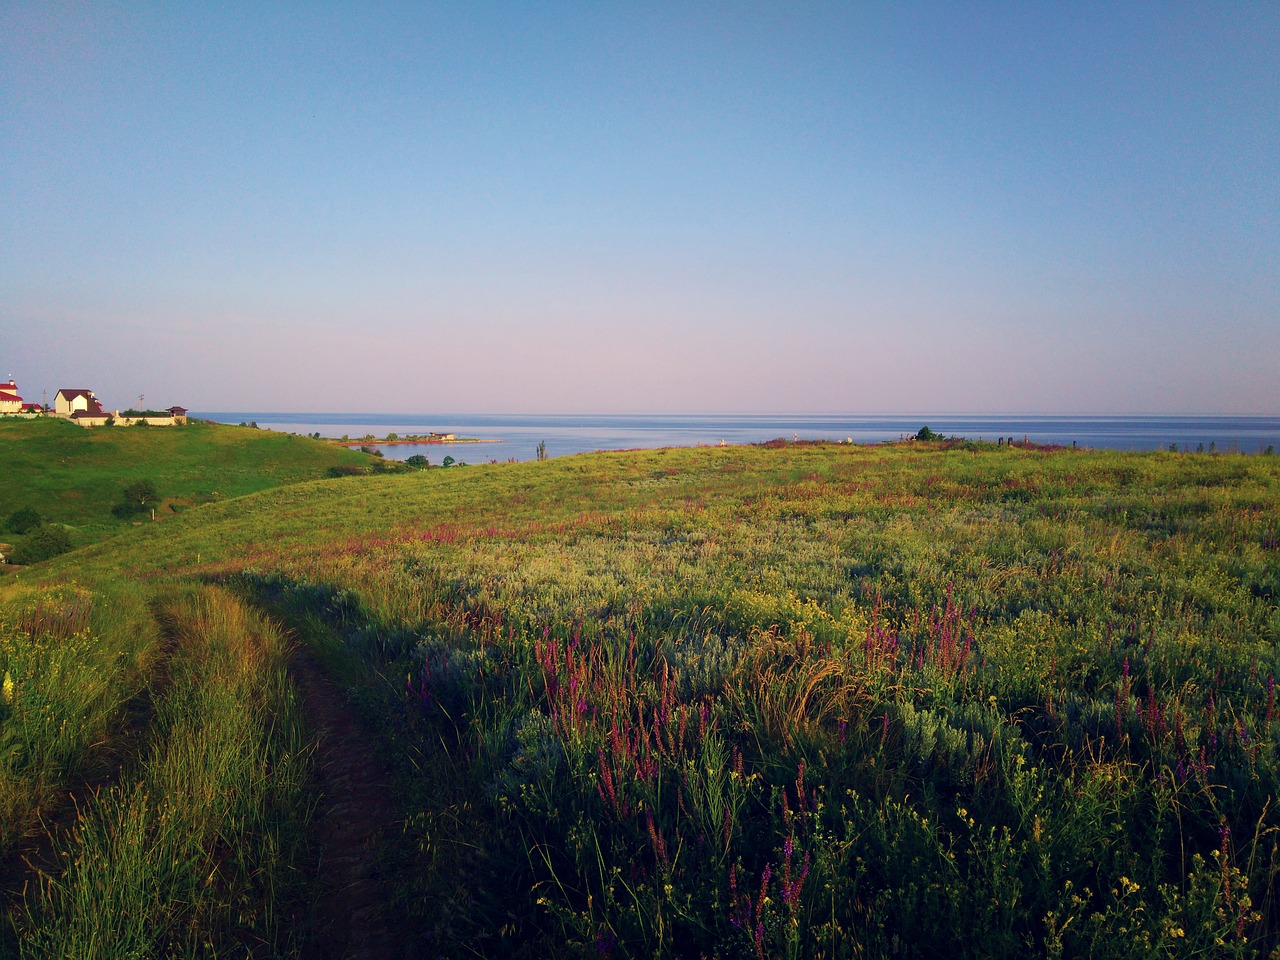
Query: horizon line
[{"x": 708, "y": 413}]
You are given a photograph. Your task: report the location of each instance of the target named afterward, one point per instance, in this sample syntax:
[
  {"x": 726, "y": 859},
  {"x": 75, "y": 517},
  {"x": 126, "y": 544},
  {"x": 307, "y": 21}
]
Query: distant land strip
[{"x": 396, "y": 443}]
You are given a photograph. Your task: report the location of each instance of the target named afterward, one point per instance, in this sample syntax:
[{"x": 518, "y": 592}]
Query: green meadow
[
  {"x": 73, "y": 477},
  {"x": 801, "y": 700}
]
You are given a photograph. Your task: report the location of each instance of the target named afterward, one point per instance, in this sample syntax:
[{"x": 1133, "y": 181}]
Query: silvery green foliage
[
  {"x": 956, "y": 740},
  {"x": 536, "y": 755},
  {"x": 701, "y": 664},
  {"x": 453, "y": 674}
]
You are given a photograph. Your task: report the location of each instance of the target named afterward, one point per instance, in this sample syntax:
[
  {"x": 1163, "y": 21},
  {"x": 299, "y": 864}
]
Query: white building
[
  {"x": 10, "y": 402},
  {"x": 69, "y": 402}
]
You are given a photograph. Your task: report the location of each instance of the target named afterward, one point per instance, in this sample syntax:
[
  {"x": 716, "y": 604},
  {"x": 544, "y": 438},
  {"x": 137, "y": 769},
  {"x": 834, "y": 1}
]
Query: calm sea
[{"x": 516, "y": 436}]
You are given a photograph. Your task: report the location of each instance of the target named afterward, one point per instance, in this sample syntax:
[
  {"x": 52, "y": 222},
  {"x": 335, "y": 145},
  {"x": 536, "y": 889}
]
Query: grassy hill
[
  {"x": 74, "y": 476},
  {"x": 920, "y": 699}
]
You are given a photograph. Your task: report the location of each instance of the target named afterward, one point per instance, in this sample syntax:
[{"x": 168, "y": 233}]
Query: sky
[{"x": 686, "y": 207}]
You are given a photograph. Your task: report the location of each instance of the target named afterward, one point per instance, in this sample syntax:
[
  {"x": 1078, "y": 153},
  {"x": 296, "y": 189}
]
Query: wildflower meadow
[{"x": 797, "y": 700}]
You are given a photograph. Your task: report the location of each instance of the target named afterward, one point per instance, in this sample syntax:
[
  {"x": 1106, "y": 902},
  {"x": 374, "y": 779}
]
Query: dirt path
[{"x": 351, "y": 920}]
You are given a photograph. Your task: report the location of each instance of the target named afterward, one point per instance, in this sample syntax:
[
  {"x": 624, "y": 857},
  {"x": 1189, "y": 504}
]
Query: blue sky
[{"x": 889, "y": 208}]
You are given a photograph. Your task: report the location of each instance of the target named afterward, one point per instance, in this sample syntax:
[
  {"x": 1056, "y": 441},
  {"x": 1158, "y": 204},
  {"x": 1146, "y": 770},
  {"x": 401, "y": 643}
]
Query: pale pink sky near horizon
[{"x": 1000, "y": 208}]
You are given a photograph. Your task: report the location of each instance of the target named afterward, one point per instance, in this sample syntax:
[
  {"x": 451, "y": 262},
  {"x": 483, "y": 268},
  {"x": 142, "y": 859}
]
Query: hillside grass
[
  {"x": 802, "y": 700},
  {"x": 194, "y": 849},
  {"x": 74, "y": 476}
]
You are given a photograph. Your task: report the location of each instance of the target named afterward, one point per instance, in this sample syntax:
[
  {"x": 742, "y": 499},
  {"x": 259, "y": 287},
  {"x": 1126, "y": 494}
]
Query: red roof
[{"x": 6, "y": 395}]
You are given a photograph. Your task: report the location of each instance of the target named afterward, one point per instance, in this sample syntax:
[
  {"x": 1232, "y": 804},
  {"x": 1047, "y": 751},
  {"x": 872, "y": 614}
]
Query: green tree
[
  {"x": 138, "y": 497},
  {"x": 417, "y": 461},
  {"x": 141, "y": 494},
  {"x": 927, "y": 434}
]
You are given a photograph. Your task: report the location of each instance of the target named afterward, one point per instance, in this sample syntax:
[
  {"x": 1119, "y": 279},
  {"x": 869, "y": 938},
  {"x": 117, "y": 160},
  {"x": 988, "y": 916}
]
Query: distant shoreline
[
  {"x": 409, "y": 443},
  {"x": 568, "y": 434}
]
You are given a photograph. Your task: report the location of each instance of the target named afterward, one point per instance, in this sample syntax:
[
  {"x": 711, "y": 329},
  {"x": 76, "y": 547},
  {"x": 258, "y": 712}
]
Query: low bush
[
  {"x": 43, "y": 542},
  {"x": 24, "y": 520}
]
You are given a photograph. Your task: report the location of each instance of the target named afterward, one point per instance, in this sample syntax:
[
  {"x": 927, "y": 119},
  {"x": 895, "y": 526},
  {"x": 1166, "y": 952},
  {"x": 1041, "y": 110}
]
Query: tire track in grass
[{"x": 353, "y": 918}]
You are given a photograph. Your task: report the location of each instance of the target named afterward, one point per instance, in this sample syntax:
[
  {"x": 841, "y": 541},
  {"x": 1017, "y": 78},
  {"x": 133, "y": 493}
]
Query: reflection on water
[{"x": 516, "y": 437}]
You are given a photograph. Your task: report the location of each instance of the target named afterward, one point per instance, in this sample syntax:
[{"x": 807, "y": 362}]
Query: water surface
[{"x": 516, "y": 436}]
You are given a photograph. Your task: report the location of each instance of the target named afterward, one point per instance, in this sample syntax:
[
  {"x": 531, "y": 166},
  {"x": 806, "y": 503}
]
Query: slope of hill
[{"x": 74, "y": 477}]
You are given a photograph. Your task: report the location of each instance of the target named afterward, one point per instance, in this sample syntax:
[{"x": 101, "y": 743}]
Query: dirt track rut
[{"x": 352, "y": 919}]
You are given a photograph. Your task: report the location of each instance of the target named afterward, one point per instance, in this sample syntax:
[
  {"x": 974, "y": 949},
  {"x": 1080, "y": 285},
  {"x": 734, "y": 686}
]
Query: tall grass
[
  {"x": 196, "y": 853},
  {"x": 73, "y": 662}
]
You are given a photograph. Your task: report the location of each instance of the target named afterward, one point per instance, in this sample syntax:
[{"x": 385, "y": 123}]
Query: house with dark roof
[{"x": 71, "y": 401}]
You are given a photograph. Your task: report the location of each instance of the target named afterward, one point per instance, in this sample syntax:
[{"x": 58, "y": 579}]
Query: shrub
[
  {"x": 24, "y": 520},
  {"x": 40, "y": 544},
  {"x": 926, "y": 434},
  {"x": 347, "y": 470},
  {"x": 417, "y": 461}
]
